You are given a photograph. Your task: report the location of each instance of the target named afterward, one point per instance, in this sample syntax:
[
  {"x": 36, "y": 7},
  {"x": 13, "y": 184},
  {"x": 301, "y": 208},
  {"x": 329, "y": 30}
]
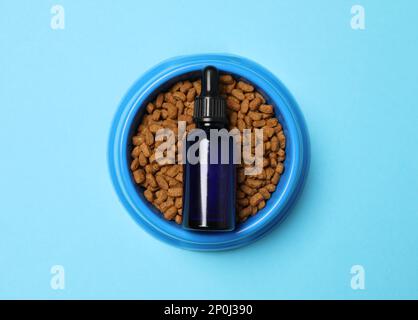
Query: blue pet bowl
[{"x": 162, "y": 77}]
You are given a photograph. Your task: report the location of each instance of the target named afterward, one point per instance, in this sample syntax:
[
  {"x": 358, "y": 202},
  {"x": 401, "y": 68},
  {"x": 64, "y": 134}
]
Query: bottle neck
[{"x": 205, "y": 125}]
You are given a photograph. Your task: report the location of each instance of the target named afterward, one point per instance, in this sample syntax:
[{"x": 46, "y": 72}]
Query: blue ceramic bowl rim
[{"x": 283, "y": 198}]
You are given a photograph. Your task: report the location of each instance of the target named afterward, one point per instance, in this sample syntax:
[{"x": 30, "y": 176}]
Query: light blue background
[{"x": 59, "y": 90}]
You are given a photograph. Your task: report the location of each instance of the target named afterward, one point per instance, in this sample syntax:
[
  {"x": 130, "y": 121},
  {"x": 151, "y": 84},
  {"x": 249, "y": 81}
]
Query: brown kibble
[
  {"x": 233, "y": 103},
  {"x": 281, "y": 153},
  {"x": 167, "y": 204},
  {"x": 241, "y": 176},
  {"x": 237, "y": 93},
  {"x": 164, "y": 114},
  {"x": 187, "y": 118},
  {"x": 265, "y": 193},
  {"x": 241, "y": 124},
  {"x": 178, "y": 219},
  {"x": 155, "y": 166},
  {"x": 249, "y": 95},
  {"x": 179, "y": 95},
  {"x": 233, "y": 117},
  {"x": 248, "y": 121},
  {"x": 168, "y": 97},
  {"x": 167, "y": 104},
  {"x": 255, "y": 103},
  {"x": 258, "y": 95},
  {"x": 189, "y": 112},
  {"x": 255, "y": 116},
  {"x": 170, "y": 213},
  {"x": 180, "y": 107},
  {"x": 253, "y": 183},
  {"x": 172, "y": 182},
  {"x": 279, "y": 168},
  {"x": 254, "y": 211},
  {"x": 156, "y": 115},
  {"x": 149, "y": 137},
  {"x": 148, "y": 195},
  {"x": 262, "y": 175},
  {"x": 177, "y": 86},
  {"x": 155, "y": 127},
  {"x": 161, "y": 182},
  {"x": 172, "y": 111},
  {"x": 148, "y": 168},
  {"x": 273, "y": 161},
  {"x": 244, "y": 106},
  {"x": 269, "y": 172},
  {"x": 173, "y": 170},
  {"x": 179, "y": 177},
  {"x": 259, "y": 123},
  {"x": 175, "y": 192},
  {"x": 159, "y": 101},
  {"x": 244, "y": 213},
  {"x": 261, "y": 205},
  {"x": 150, "y": 107},
  {"x": 226, "y": 79},
  {"x": 139, "y": 176},
  {"x": 229, "y": 87},
  {"x": 240, "y": 194},
  {"x": 256, "y": 199},
  {"x": 274, "y": 144},
  {"x": 191, "y": 94},
  {"x": 276, "y": 178},
  {"x": 135, "y": 152},
  {"x": 142, "y": 160},
  {"x": 282, "y": 140},
  {"x": 145, "y": 149},
  {"x": 272, "y": 122},
  {"x": 134, "y": 164},
  {"x": 186, "y": 86},
  {"x": 150, "y": 180},
  {"x": 190, "y": 127},
  {"x": 266, "y": 108},
  {"x": 247, "y": 190},
  {"x": 245, "y": 86},
  {"x": 198, "y": 86},
  {"x": 271, "y": 187},
  {"x": 267, "y": 146},
  {"x": 178, "y": 203},
  {"x": 268, "y": 132},
  {"x": 137, "y": 140},
  {"x": 161, "y": 196}
]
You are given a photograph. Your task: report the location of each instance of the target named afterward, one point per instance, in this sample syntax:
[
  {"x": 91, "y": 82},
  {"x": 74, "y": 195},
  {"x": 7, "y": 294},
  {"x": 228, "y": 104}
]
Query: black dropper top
[{"x": 210, "y": 106}]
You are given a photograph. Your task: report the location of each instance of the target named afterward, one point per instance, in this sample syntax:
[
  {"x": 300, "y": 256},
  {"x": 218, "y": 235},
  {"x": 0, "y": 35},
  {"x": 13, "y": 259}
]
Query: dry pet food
[{"x": 246, "y": 108}]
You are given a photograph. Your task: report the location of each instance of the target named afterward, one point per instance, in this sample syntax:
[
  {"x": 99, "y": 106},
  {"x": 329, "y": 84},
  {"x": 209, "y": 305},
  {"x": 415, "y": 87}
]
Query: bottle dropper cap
[{"x": 210, "y": 106}]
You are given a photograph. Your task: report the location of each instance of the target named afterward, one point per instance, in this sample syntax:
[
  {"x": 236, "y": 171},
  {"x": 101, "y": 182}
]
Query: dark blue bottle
[{"x": 209, "y": 184}]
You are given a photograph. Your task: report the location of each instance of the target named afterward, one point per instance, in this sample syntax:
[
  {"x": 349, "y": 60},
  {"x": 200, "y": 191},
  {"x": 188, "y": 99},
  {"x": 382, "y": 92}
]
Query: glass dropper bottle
[{"x": 209, "y": 183}]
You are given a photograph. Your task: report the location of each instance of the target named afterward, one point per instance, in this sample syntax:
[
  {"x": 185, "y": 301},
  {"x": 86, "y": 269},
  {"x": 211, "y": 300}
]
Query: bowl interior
[{"x": 193, "y": 75}]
